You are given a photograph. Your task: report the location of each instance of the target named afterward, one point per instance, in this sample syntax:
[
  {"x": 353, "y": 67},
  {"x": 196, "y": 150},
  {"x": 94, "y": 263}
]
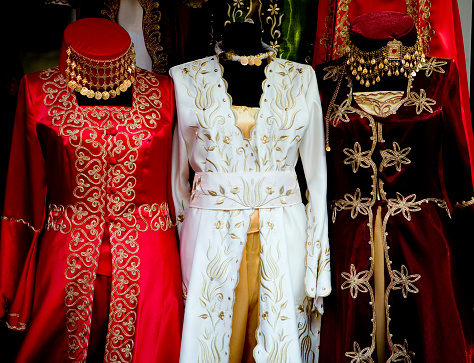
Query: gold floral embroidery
[
  {"x": 151, "y": 33},
  {"x": 355, "y": 203},
  {"x": 252, "y": 195},
  {"x": 219, "y": 259},
  {"x": 275, "y": 20},
  {"x": 404, "y": 205},
  {"x": 357, "y": 157},
  {"x": 360, "y": 356},
  {"x": 420, "y": 101},
  {"x": 333, "y": 72},
  {"x": 433, "y": 65},
  {"x": 327, "y": 38},
  {"x": 341, "y": 27},
  {"x": 401, "y": 280},
  {"x": 111, "y": 9},
  {"x": 339, "y": 113},
  {"x": 305, "y": 331},
  {"x": 236, "y": 11},
  {"x": 395, "y": 157},
  {"x": 413, "y": 9},
  {"x": 400, "y": 353},
  {"x": 355, "y": 281}
]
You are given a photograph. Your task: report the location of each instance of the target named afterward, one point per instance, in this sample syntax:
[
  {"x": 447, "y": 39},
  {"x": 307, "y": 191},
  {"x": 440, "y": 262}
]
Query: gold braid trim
[
  {"x": 11, "y": 219},
  {"x": 111, "y": 9},
  {"x": 152, "y": 35},
  {"x": 465, "y": 204}
]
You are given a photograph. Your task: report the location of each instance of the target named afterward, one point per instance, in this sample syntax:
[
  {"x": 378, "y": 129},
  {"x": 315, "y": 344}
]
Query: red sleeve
[
  {"x": 170, "y": 150},
  {"x": 455, "y": 152},
  {"x": 24, "y": 209}
]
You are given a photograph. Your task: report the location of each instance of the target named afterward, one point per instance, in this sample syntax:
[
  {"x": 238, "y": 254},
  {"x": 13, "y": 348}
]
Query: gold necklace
[
  {"x": 87, "y": 76},
  {"x": 251, "y": 60},
  {"x": 369, "y": 67}
]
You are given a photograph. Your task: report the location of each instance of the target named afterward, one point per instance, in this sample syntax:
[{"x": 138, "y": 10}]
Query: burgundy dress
[{"x": 414, "y": 165}]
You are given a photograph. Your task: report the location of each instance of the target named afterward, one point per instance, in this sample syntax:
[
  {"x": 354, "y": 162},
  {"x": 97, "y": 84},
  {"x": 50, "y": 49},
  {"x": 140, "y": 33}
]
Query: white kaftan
[{"x": 233, "y": 177}]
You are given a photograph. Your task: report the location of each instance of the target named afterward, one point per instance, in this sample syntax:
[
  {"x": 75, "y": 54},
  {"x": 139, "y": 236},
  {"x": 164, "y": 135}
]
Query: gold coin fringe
[
  {"x": 100, "y": 79},
  {"x": 251, "y": 60},
  {"x": 369, "y": 67}
]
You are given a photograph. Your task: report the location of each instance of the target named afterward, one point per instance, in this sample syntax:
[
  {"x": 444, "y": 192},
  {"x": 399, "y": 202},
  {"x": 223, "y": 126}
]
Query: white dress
[{"x": 233, "y": 177}]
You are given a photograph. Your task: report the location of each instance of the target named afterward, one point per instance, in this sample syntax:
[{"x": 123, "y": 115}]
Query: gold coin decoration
[{"x": 100, "y": 79}]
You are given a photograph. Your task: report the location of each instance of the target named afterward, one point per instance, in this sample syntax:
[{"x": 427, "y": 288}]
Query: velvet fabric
[
  {"x": 372, "y": 31},
  {"x": 78, "y": 177},
  {"x": 438, "y": 22},
  {"x": 414, "y": 164}
]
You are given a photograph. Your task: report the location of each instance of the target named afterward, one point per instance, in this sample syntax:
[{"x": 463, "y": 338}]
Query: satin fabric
[
  {"x": 247, "y": 292},
  {"x": 75, "y": 172},
  {"x": 246, "y": 307},
  {"x": 417, "y": 162}
]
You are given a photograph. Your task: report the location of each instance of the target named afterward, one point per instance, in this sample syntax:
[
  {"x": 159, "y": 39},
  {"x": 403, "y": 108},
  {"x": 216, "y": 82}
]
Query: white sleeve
[
  {"x": 179, "y": 168},
  {"x": 313, "y": 157}
]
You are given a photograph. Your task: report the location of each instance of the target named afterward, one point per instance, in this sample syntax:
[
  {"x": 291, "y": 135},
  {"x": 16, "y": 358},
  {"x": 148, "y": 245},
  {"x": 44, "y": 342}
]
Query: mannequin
[
  {"x": 254, "y": 263},
  {"x": 92, "y": 276},
  {"x": 398, "y": 160},
  {"x": 243, "y": 39}
]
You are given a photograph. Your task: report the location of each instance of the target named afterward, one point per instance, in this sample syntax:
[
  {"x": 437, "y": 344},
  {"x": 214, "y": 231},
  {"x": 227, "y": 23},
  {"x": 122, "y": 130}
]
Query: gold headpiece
[
  {"x": 100, "y": 78},
  {"x": 369, "y": 67}
]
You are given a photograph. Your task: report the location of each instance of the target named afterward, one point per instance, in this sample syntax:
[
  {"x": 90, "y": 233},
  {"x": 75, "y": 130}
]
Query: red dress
[
  {"x": 414, "y": 165},
  {"x": 84, "y": 182}
]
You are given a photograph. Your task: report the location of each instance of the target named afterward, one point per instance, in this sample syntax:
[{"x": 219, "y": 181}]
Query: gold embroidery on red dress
[{"x": 107, "y": 141}]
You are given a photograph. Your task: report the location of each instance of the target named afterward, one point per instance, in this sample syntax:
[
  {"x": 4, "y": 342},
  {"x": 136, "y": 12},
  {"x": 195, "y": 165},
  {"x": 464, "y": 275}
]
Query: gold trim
[
  {"x": 327, "y": 39},
  {"x": 152, "y": 35},
  {"x": 19, "y": 220},
  {"x": 341, "y": 28},
  {"x": 111, "y": 9},
  {"x": 465, "y": 204},
  {"x": 360, "y": 281},
  {"x": 86, "y": 131}
]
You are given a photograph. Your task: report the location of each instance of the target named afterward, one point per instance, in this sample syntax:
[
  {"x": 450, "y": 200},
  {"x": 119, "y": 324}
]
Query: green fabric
[
  {"x": 237, "y": 10},
  {"x": 271, "y": 17},
  {"x": 298, "y": 29}
]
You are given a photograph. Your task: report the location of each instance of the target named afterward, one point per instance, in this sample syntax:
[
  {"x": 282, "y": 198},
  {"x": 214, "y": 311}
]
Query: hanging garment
[
  {"x": 234, "y": 175},
  {"x": 409, "y": 162},
  {"x": 80, "y": 175}
]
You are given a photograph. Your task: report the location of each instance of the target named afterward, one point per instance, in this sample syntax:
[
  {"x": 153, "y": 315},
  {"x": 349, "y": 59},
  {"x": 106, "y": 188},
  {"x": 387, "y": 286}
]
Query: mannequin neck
[{"x": 244, "y": 82}]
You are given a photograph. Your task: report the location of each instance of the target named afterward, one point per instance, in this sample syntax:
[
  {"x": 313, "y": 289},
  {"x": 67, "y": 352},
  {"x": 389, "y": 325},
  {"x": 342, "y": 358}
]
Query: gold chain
[{"x": 369, "y": 67}]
